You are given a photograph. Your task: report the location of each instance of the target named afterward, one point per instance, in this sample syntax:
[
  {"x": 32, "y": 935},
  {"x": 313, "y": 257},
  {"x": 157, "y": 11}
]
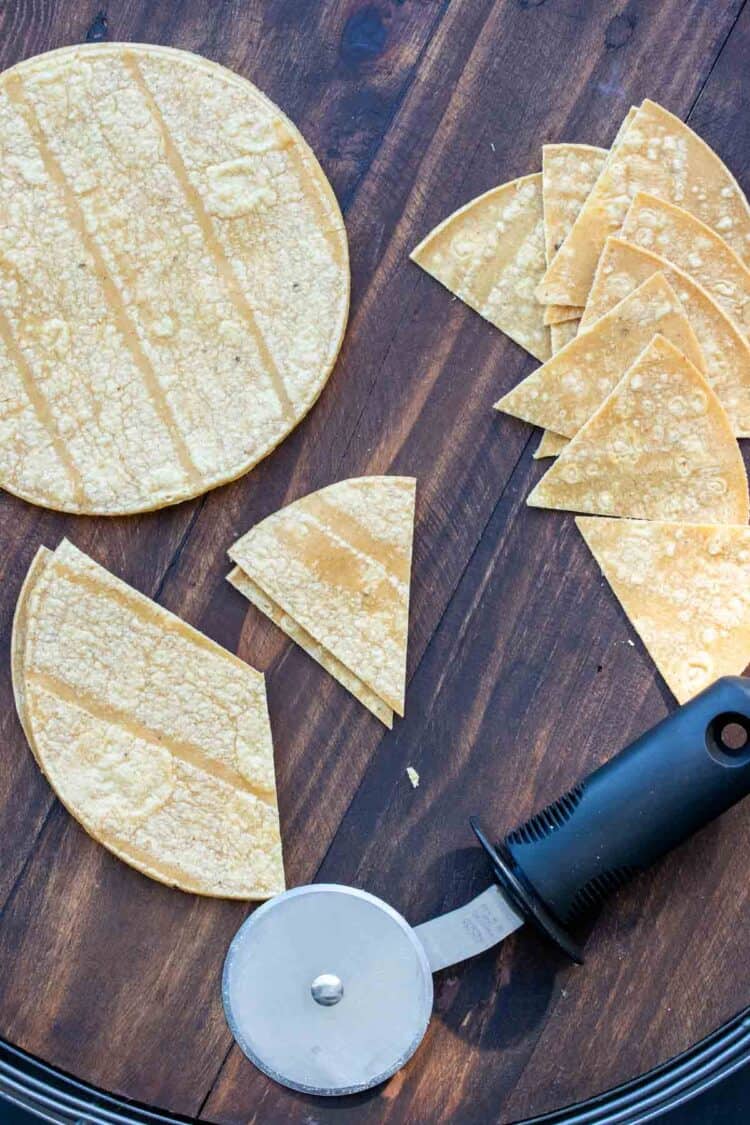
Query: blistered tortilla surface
[
  {"x": 156, "y": 739},
  {"x": 660, "y": 447},
  {"x": 686, "y": 590},
  {"x": 174, "y": 278}
]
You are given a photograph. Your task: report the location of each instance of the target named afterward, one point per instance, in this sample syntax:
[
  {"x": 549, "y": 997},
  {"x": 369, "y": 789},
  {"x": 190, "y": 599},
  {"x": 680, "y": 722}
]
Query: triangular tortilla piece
[
  {"x": 490, "y": 253},
  {"x": 569, "y": 172},
  {"x": 338, "y": 563},
  {"x": 660, "y": 447},
  {"x": 659, "y": 154},
  {"x": 154, "y": 738},
  {"x": 561, "y": 314},
  {"x": 674, "y": 233},
  {"x": 551, "y": 445},
  {"x": 562, "y": 334},
  {"x": 623, "y": 267},
  {"x": 563, "y": 393},
  {"x": 301, "y": 637},
  {"x": 686, "y": 590}
]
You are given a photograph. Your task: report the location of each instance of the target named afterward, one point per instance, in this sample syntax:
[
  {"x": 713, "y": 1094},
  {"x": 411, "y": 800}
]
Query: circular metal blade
[{"x": 327, "y": 989}]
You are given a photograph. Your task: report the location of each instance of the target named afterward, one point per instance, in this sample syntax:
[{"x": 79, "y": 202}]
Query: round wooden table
[{"x": 522, "y": 677}]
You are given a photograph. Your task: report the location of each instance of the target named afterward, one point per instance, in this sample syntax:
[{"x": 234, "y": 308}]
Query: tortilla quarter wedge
[
  {"x": 333, "y": 571},
  {"x": 563, "y": 393},
  {"x": 176, "y": 283},
  {"x": 656, "y": 153},
  {"x": 692, "y": 246},
  {"x": 686, "y": 590},
  {"x": 726, "y": 351},
  {"x": 550, "y": 445},
  {"x": 660, "y": 447},
  {"x": 490, "y": 253},
  {"x": 153, "y": 737},
  {"x": 569, "y": 171}
]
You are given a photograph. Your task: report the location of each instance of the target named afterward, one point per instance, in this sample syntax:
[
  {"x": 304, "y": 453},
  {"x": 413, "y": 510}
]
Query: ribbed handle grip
[{"x": 647, "y": 799}]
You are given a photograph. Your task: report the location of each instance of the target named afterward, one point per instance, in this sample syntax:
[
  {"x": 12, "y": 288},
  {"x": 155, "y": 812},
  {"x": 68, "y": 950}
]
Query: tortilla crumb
[{"x": 413, "y": 776}]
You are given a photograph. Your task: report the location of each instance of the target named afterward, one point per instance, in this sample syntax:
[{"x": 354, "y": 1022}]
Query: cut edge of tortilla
[
  {"x": 254, "y": 593},
  {"x": 550, "y": 445}
]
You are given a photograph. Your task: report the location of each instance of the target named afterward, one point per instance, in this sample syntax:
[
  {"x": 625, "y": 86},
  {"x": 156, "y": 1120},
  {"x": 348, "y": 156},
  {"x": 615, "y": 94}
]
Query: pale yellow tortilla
[
  {"x": 656, "y": 153},
  {"x": 337, "y": 563},
  {"x": 686, "y": 590},
  {"x": 154, "y": 738},
  {"x": 660, "y": 447},
  {"x": 174, "y": 279},
  {"x": 252, "y": 591},
  {"x": 569, "y": 172},
  {"x": 550, "y": 445},
  {"x": 562, "y": 334},
  {"x": 563, "y": 393},
  {"x": 623, "y": 267},
  {"x": 680, "y": 237},
  {"x": 490, "y": 253}
]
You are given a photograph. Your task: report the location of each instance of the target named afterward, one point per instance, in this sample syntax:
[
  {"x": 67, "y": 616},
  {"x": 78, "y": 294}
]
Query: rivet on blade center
[{"x": 327, "y": 989}]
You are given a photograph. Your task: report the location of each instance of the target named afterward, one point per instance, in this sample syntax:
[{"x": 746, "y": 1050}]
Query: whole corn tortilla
[
  {"x": 490, "y": 253},
  {"x": 677, "y": 235},
  {"x": 686, "y": 590},
  {"x": 569, "y": 171},
  {"x": 660, "y": 447},
  {"x": 333, "y": 571},
  {"x": 563, "y": 393},
  {"x": 154, "y": 738},
  {"x": 174, "y": 278},
  {"x": 659, "y": 154},
  {"x": 624, "y": 266}
]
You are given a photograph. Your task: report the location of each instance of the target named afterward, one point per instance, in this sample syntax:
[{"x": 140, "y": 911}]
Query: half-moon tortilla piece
[
  {"x": 550, "y": 445},
  {"x": 563, "y": 393},
  {"x": 657, "y": 153},
  {"x": 154, "y": 738},
  {"x": 660, "y": 447},
  {"x": 623, "y": 267},
  {"x": 300, "y": 636},
  {"x": 569, "y": 172},
  {"x": 686, "y": 590},
  {"x": 674, "y": 233},
  {"x": 337, "y": 563},
  {"x": 490, "y": 253},
  {"x": 183, "y": 284}
]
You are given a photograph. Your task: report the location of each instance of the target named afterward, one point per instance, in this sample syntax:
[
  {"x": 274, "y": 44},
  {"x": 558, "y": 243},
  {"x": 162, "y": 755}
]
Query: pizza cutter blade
[{"x": 328, "y": 990}]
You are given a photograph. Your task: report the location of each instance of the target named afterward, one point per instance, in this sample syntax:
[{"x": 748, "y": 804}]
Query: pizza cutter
[{"x": 328, "y": 990}]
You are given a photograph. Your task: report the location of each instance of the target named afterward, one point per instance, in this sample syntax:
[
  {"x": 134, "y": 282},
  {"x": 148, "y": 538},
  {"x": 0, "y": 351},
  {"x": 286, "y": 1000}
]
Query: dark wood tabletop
[{"x": 521, "y": 677}]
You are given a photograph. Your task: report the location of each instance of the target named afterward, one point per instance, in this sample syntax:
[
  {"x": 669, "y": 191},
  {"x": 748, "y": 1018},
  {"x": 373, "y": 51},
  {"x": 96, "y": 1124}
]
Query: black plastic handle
[{"x": 650, "y": 797}]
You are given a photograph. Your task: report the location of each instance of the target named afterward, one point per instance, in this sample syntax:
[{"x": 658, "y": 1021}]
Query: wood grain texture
[{"x": 520, "y": 675}]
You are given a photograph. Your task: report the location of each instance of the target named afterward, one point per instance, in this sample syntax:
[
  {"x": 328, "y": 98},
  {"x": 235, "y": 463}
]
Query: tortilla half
[
  {"x": 686, "y": 590},
  {"x": 623, "y": 267},
  {"x": 677, "y": 235},
  {"x": 333, "y": 571},
  {"x": 563, "y": 393},
  {"x": 660, "y": 447},
  {"x": 154, "y": 738},
  {"x": 656, "y": 153},
  {"x": 568, "y": 174},
  {"x": 490, "y": 253},
  {"x": 174, "y": 279}
]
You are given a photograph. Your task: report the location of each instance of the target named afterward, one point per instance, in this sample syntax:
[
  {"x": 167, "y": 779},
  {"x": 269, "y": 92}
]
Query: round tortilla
[{"x": 174, "y": 279}]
